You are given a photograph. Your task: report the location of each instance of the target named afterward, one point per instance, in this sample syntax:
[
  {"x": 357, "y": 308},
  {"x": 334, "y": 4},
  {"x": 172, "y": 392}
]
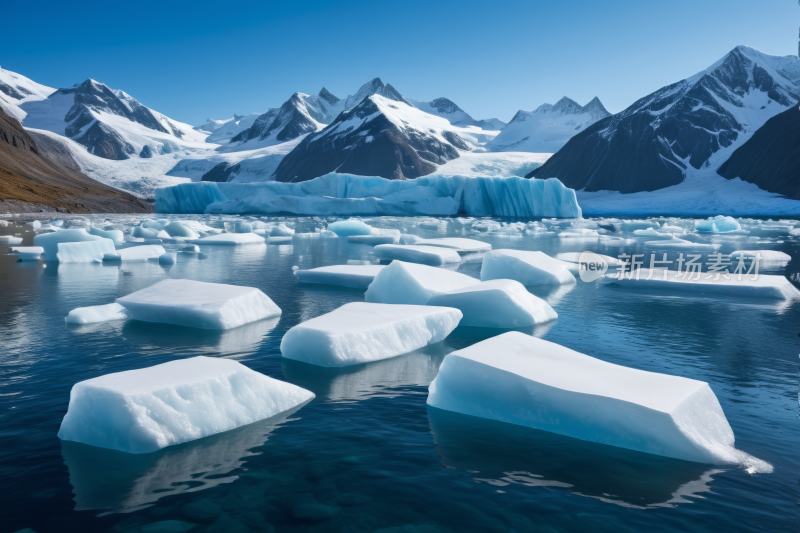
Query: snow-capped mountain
[
  {"x": 16, "y": 89},
  {"x": 771, "y": 158},
  {"x": 688, "y": 127},
  {"x": 493, "y": 124},
  {"x": 222, "y": 131},
  {"x": 548, "y": 127},
  {"x": 378, "y": 137}
]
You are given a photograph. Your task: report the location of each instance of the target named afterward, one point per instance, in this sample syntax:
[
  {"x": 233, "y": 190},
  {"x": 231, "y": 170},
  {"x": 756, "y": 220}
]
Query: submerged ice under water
[{"x": 367, "y": 454}]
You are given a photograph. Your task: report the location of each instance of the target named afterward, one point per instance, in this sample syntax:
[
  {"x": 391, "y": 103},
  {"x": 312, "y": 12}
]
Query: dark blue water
[{"x": 367, "y": 454}]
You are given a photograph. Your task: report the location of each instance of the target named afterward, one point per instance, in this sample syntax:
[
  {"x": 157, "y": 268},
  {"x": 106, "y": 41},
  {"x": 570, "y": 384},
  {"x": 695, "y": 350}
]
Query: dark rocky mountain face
[
  {"x": 35, "y": 176},
  {"x": 770, "y": 159},
  {"x": 651, "y": 144},
  {"x": 375, "y": 147},
  {"x": 326, "y": 95},
  {"x": 375, "y": 86},
  {"x": 444, "y": 105},
  {"x": 299, "y": 115}
]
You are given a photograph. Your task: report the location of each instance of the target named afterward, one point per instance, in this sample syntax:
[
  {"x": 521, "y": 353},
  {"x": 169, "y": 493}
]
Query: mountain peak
[
  {"x": 596, "y": 109},
  {"x": 567, "y": 106},
  {"x": 328, "y": 96}
]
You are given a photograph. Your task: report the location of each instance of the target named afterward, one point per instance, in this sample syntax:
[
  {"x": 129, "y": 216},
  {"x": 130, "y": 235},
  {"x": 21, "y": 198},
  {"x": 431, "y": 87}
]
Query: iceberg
[
  {"x": 28, "y": 253},
  {"x": 279, "y": 240},
  {"x": 347, "y": 194},
  {"x": 426, "y": 255},
  {"x": 50, "y": 241},
  {"x": 500, "y": 303},
  {"x": 136, "y": 253},
  {"x": 198, "y": 304},
  {"x": 168, "y": 258},
  {"x": 84, "y": 252},
  {"x": 281, "y": 230},
  {"x": 140, "y": 232},
  {"x": 97, "y": 313},
  {"x": 518, "y": 379},
  {"x": 361, "y": 332},
  {"x": 10, "y": 239},
  {"x": 114, "y": 234},
  {"x": 242, "y": 227},
  {"x": 702, "y": 284},
  {"x": 178, "y": 229},
  {"x": 717, "y": 224},
  {"x": 457, "y": 244},
  {"x": 409, "y": 283},
  {"x": 352, "y": 276},
  {"x": 229, "y": 239},
  {"x": 529, "y": 268},
  {"x": 406, "y": 238},
  {"x": 145, "y": 410},
  {"x": 347, "y": 228}
]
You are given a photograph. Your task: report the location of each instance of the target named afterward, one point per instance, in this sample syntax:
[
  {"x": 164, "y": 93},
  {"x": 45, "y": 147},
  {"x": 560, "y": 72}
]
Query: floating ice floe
[
  {"x": 229, "y": 239},
  {"x": 281, "y": 230},
  {"x": 114, "y": 234},
  {"x": 409, "y": 283},
  {"x": 579, "y": 233},
  {"x": 141, "y": 411},
  {"x": 519, "y": 379},
  {"x": 413, "y": 253},
  {"x": 136, "y": 253},
  {"x": 347, "y": 228},
  {"x": 633, "y": 225},
  {"x": 50, "y": 241},
  {"x": 199, "y": 305},
  {"x": 364, "y": 332},
  {"x": 279, "y": 240},
  {"x": 4, "y": 223},
  {"x": 575, "y": 257},
  {"x": 28, "y": 253},
  {"x": 704, "y": 283},
  {"x": 672, "y": 229},
  {"x": 407, "y": 238},
  {"x": 353, "y": 276},
  {"x": 458, "y": 244},
  {"x": 681, "y": 243},
  {"x": 10, "y": 239},
  {"x": 346, "y": 194},
  {"x": 529, "y": 268},
  {"x": 500, "y": 303},
  {"x": 653, "y": 234},
  {"x": 178, "y": 229},
  {"x": 83, "y": 252},
  {"x": 772, "y": 257},
  {"x": 97, "y": 313},
  {"x": 242, "y": 227},
  {"x": 374, "y": 240},
  {"x": 717, "y": 224}
]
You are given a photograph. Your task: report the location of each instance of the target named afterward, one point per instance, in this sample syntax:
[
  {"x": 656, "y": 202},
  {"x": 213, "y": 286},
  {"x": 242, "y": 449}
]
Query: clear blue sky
[{"x": 193, "y": 60}]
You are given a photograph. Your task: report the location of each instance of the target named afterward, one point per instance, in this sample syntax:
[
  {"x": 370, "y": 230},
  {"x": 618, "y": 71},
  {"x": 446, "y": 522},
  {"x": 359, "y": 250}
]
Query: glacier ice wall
[{"x": 347, "y": 194}]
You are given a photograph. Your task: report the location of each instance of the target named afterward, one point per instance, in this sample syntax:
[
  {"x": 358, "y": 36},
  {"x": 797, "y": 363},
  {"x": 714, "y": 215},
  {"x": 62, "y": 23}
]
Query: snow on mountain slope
[
  {"x": 492, "y": 164},
  {"x": 16, "y": 89},
  {"x": 547, "y": 128},
  {"x": 446, "y": 109},
  {"x": 494, "y": 124},
  {"x": 222, "y": 131},
  {"x": 680, "y": 130}
]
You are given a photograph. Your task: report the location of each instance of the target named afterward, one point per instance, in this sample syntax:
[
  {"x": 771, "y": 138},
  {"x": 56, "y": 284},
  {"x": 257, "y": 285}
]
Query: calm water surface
[{"x": 367, "y": 454}]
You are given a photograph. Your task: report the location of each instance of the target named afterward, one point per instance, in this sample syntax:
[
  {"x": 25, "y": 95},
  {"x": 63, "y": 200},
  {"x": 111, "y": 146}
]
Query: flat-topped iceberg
[
  {"x": 136, "y": 253},
  {"x": 50, "y": 241},
  {"x": 519, "y": 379},
  {"x": 84, "y": 252},
  {"x": 364, "y": 332},
  {"x": 529, "y": 268},
  {"x": 97, "y": 313},
  {"x": 114, "y": 234},
  {"x": 409, "y": 283},
  {"x": 346, "y": 194},
  {"x": 705, "y": 283},
  {"x": 414, "y": 253},
  {"x": 198, "y": 304},
  {"x": 229, "y": 239},
  {"x": 352, "y": 276},
  {"x": 141, "y": 411},
  {"x": 458, "y": 244},
  {"x": 10, "y": 239},
  {"x": 28, "y": 253},
  {"x": 500, "y": 303}
]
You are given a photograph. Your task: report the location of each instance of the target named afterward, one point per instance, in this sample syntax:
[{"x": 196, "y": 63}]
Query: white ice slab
[
  {"x": 10, "y": 239},
  {"x": 199, "y": 305},
  {"x": 83, "y": 252},
  {"x": 229, "y": 239},
  {"x": 114, "y": 234},
  {"x": 29, "y": 253},
  {"x": 651, "y": 233},
  {"x": 457, "y": 244},
  {"x": 681, "y": 243},
  {"x": 519, "y": 379},
  {"x": 529, "y": 268},
  {"x": 426, "y": 255},
  {"x": 353, "y": 276},
  {"x": 765, "y": 286},
  {"x": 407, "y": 238},
  {"x": 97, "y": 313},
  {"x": 364, "y": 332},
  {"x": 374, "y": 240},
  {"x": 50, "y": 241},
  {"x": 772, "y": 257},
  {"x": 141, "y": 411},
  {"x": 136, "y": 253},
  {"x": 500, "y": 303},
  {"x": 346, "y": 228},
  {"x": 409, "y": 283},
  {"x": 575, "y": 257}
]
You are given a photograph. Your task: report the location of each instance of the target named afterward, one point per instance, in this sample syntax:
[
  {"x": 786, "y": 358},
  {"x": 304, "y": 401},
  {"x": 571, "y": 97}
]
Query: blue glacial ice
[
  {"x": 50, "y": 241},
  {"x": 346, "y": 194},
  {"x": 717, "y": 224},
  {"x": 351, "y": 227}
]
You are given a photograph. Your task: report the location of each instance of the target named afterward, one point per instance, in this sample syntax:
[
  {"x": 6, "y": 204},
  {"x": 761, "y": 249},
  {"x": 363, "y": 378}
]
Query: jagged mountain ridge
[
  {"x": 692, "y": 124},
  {"x": 222, "y": 131}
]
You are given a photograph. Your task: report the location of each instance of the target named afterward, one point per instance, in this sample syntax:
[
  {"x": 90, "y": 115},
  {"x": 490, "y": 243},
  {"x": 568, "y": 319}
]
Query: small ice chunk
[
  {"x": 189, "y": 248},
  {"x": 136, "y": 253},
  {"x": 141, "y": 411},
  {"x": 529, "y": 268},
  {"x": 230, "y": 239},
  {"x": 346, "y": 228},
  {"x": 519, "y": 379},
  {"x": 168, "y": 258},
  {"x": 353, "y": 276},
  {"x": 242, "y": 227},
  {"x": 666, "y": 228},
  {"x": 97, "y": 313},
  {"x": 426, "y": 255},
  {"x": 29, "y": 253},
  {"x": 500, "y": 303},
  {"x": 279, "y": 240},
  {"x": 10, "y": 239},
  {"x": 765, "y": 286},
  {"x": 579, "y": 233},
  {"x": 35, "y": 224},
  {"x": 281, "y": 231},
  {"x": 717, "y": 224},
  {"x": 457, "y": 244},
  {"x": 653, "y": 234},
  {"x": 199, "y": 305},
  {"x": 128, "y": 238},
  {"x": 83, "y": 252},
  {"x": 364, "y": 332},
  {"x": 50, "y": 241},
  {"x": 406, "y": 238},
  {"x": 325, "y": 234},
  {"x": 4, "y": 223},
  {"x": 680, "y": 243},
  {"x": 374, "y": 240},
  {"x": 409, "y": 283},
  {"x": 632, "y": 225},
  {"x": 178, "y": 229},
  {"x": 113, "y": 234},
  {"x": 140, "y": 232}
]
